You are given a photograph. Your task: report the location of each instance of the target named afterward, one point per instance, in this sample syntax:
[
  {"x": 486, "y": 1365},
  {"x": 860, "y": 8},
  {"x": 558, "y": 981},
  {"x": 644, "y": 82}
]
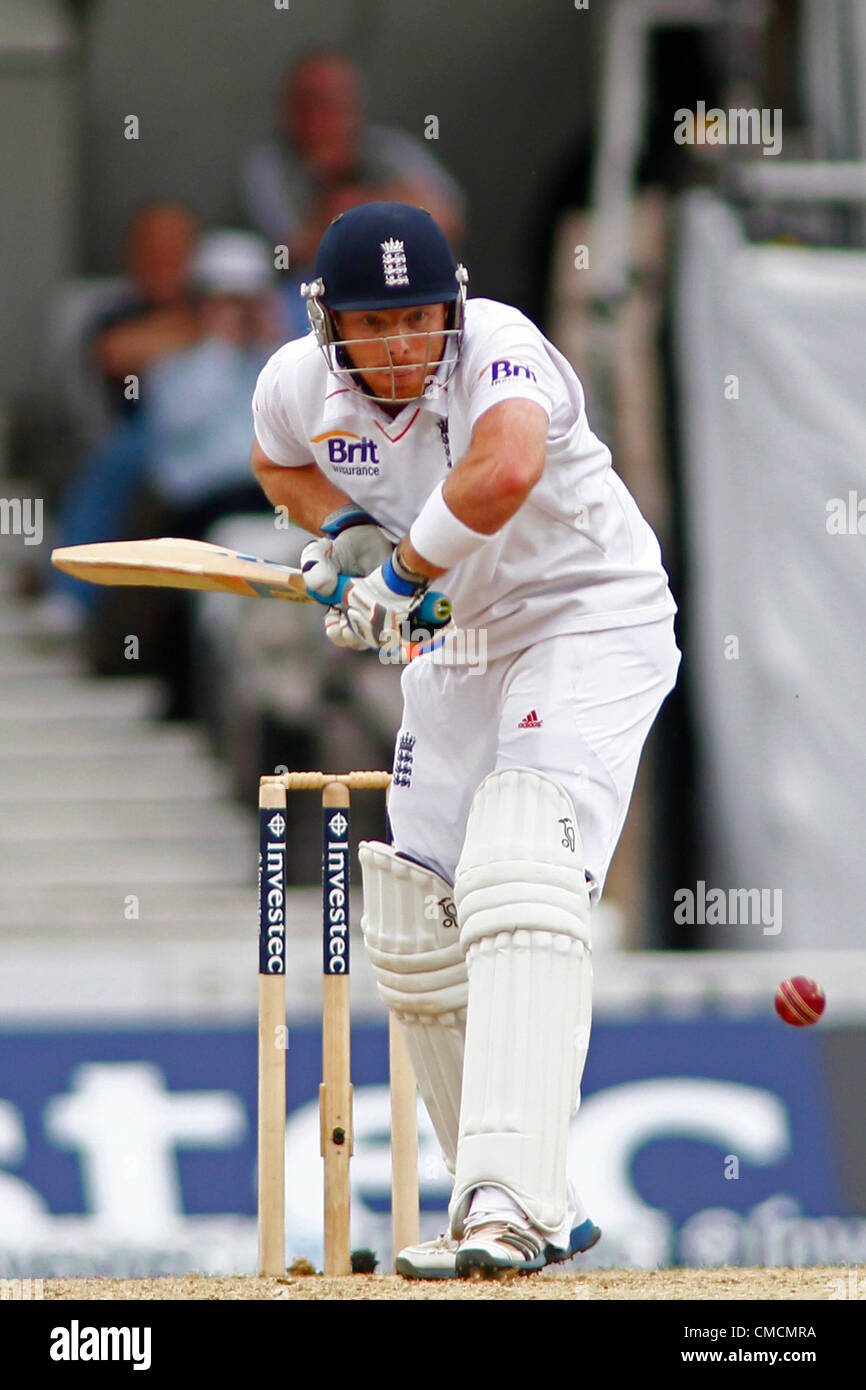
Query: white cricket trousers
[{"x": 578, "y": 707}]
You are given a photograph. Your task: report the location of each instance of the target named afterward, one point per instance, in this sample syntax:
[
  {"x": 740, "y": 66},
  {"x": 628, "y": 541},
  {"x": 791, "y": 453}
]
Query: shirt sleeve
[
  {"x": 272, "y": 421},
  {"x": 511, "y": 366}
]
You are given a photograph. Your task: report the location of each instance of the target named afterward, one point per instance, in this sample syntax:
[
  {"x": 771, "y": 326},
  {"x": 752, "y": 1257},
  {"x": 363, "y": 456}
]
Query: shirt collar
[{"x": 342, "y": 403}]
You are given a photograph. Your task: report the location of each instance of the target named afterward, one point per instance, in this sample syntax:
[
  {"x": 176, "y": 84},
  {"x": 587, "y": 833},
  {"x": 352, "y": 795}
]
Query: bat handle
[{"x": 433, "y": 611}]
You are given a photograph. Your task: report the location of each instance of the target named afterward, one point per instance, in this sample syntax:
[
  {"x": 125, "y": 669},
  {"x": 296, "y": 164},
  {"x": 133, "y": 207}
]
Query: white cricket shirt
[{"x": 577, "y": 556}]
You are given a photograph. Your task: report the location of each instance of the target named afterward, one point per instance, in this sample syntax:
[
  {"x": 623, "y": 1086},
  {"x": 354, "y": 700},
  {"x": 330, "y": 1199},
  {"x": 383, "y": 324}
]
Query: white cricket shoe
[
  {"x": 491, "y": 1248},
  {"x": 437, "y": 1259},
  {"x": 432, "y": 1259},
  {"x": 498, "y": 1238}
]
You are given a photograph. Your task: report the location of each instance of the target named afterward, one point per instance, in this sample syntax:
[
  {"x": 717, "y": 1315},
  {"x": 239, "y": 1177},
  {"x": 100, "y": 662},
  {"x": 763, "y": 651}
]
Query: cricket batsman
[{"x": 422, "y": 437}]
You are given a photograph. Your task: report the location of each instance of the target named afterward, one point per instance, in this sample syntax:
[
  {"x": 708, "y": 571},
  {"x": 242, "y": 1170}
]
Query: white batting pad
[
  {"x": 412, "y": 939},
  {"x": 522, "y": 862},
  {"x": 524, "y": 912}
]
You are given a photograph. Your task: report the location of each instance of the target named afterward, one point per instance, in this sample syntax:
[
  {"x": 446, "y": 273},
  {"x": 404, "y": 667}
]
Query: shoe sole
[
  {"x": 583, "y": 1238},
  {"x": 410, "y": 1271},
  {"x": 480, "y": 1264}
]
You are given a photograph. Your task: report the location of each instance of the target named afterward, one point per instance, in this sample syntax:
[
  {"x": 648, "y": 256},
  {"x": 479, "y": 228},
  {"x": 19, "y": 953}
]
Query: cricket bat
[{"x": 173, "y": 563}]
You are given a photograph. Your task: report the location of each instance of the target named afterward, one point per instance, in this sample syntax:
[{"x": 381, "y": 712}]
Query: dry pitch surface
[{"x": 628, "y": 1284}]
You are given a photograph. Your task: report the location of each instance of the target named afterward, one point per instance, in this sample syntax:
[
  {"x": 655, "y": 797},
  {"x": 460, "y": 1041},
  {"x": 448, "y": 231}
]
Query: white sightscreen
[{"x": 773, "y": 462}]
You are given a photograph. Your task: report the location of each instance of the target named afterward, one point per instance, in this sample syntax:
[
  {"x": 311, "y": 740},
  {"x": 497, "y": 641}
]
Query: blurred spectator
[
  {"x": 158, "y": 312},
  {"x": 189, "y": 433},
  {"x": 104, "y": 330},
  {"x": 106, "y": 335},
  {"x": 325, "y": 158},
  {"x": 196, "y": 435},
  {"x": 197, "y": 406}
]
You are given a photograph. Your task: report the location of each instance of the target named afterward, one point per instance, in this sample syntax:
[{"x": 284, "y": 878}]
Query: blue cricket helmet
[{"x": 384, "y": 256}]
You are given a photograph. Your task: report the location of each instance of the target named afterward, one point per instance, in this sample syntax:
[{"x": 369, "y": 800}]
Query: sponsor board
[
  {"x": 335, "y": 891},
  {"x": 701, "y": 1142}
]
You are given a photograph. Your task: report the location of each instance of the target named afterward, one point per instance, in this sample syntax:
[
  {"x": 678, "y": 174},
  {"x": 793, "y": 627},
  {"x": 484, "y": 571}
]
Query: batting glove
[
  {"x": 376, "y": 607},
  {"x": 352, "y": 544},
  {"x": 338, "y": 631}
]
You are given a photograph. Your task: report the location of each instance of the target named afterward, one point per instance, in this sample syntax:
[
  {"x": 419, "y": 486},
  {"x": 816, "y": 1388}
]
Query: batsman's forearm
[
  {"x": 482, "y": 494},
  {"x": 305, "y": 493},
  {"x": 485, "y": 491},
  {"x": 491, "y": 482}
]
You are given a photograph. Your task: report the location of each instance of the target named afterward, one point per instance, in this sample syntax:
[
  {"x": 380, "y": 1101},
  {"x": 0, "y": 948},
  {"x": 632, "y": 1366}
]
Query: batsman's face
[{"x": 395, "y": 350}]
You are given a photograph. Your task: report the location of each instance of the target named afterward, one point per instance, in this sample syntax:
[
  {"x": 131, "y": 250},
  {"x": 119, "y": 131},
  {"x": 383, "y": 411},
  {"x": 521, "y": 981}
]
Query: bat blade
[
  {"x": 174, "y": 563},
  {"x": 171, "y": 562}
]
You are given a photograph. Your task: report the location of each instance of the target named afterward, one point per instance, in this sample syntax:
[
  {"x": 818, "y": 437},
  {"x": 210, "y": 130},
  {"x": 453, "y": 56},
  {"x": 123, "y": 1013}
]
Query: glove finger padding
[
  {"x": 339, "y": 631},
  {"x": 369, "y": 619},
  {"x": 319, "y": 566},
  {"x": 357, "y": 548},
  {"x": 378, "y": 605}
]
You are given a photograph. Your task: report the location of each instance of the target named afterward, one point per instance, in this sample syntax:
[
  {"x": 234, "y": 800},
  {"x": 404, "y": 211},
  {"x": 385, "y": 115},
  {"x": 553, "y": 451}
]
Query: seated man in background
[
  {"x": 158, "y": 315},
  {"x": 104, "y": 329},
  {"x": 196, "y": 432},
  {"x": 98, "y": 364},
  {"x": 195, "y": 435},
  {"x": 326, "y": 158}
]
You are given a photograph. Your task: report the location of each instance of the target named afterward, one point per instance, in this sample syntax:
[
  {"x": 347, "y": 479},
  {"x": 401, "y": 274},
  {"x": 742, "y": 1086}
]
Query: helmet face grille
[
  {"x": 438, "y": 370},
  {"x": 439, "y": 359}
]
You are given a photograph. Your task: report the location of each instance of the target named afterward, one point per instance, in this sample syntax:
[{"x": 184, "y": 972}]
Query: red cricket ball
[{"x": 800, "y": 1001}]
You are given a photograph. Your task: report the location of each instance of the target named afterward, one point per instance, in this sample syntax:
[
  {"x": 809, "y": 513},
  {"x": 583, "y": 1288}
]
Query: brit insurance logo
[
  {"x": 509, "y": 370},
  {"x": 350, "y": 453}
]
